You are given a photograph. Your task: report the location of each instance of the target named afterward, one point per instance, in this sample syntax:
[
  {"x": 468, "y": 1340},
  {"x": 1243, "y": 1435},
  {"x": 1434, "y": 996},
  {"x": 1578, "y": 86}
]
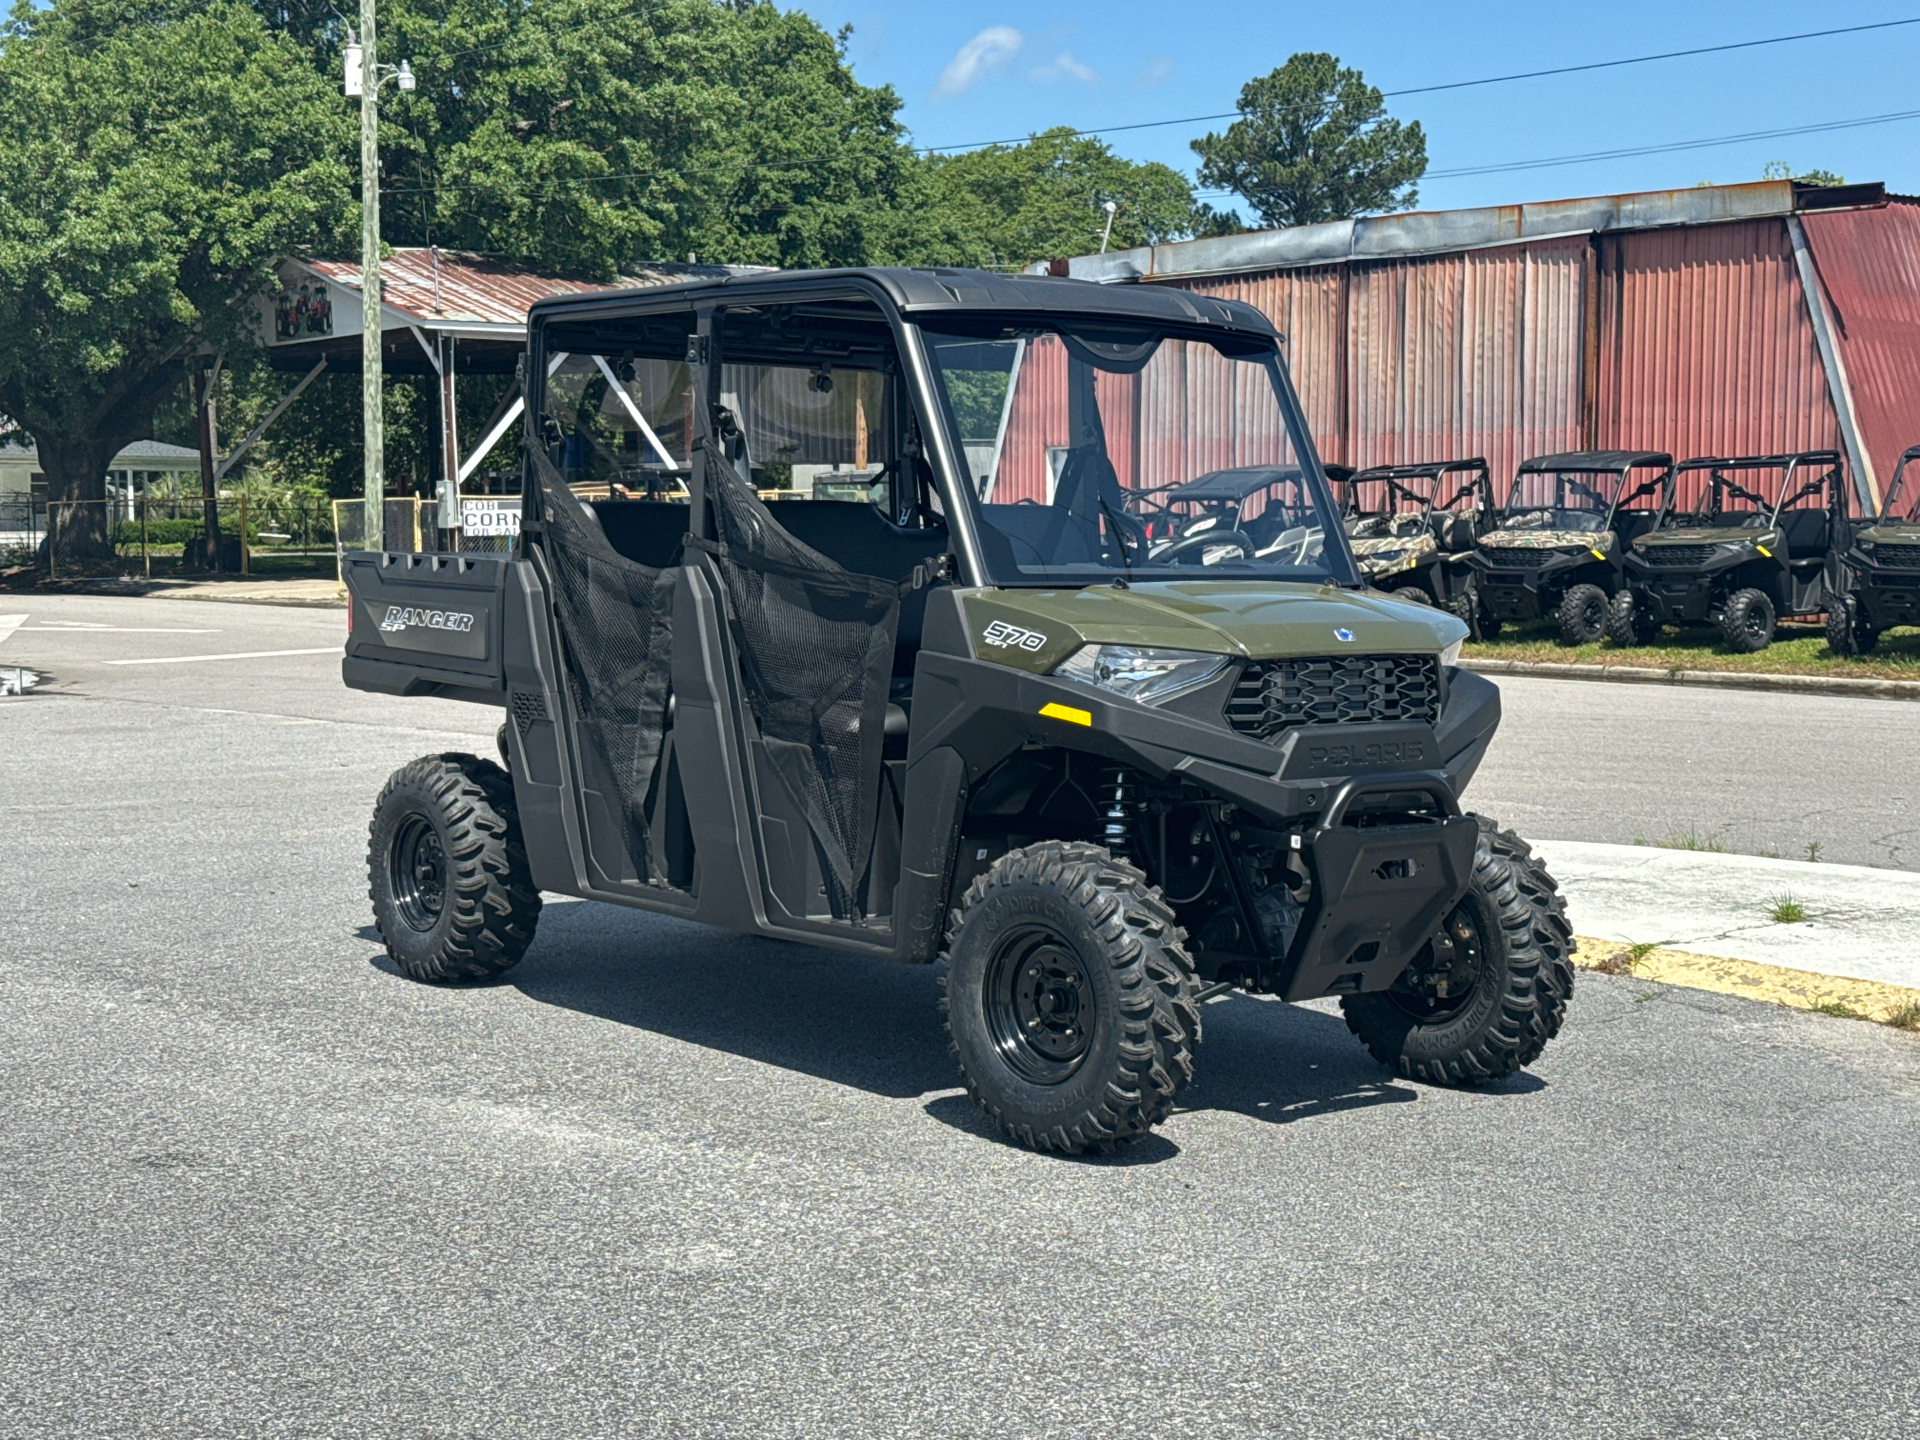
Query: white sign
[{"x": 492, "y": 517}]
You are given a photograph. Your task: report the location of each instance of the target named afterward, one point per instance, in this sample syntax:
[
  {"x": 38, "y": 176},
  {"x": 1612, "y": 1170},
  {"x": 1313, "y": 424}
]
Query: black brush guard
[{"x": 1379, "y": 891}]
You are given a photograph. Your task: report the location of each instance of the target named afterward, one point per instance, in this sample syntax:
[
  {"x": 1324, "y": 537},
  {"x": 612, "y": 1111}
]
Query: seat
[{"x": 1806, "y": 532}]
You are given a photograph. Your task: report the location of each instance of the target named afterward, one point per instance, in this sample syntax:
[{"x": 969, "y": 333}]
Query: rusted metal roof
[
  {"x": 1868, "y": 262},
  {"x": 1425, "y": 232},
  {"x": 456, "y": 286}
]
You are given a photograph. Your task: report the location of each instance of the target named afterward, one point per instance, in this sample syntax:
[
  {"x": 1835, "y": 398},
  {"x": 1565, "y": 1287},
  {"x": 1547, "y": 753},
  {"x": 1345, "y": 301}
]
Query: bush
[{"x": 177, "y": 532}]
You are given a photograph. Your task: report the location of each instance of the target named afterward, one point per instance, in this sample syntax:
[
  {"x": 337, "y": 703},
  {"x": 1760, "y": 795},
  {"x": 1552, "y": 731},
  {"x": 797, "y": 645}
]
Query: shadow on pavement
[{"x": 875, "y": 1025}]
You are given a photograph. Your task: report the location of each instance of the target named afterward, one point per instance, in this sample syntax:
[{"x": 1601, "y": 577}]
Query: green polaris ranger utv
[
  {"x": 1554, "y": 545},
  {"x": 1097, "y": 785},
  {"x": 1411, "y": 528},
  {"x": 1737, "y": 544},
  {"x": 1877, "y": 580}
]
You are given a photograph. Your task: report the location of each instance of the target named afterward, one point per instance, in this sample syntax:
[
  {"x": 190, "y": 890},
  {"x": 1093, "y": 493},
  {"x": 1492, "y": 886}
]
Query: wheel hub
[
  {"x": 1448, "y": 971},
  {"x": 417, "y": 871},
  {"x": 1039, "y": 1004}
]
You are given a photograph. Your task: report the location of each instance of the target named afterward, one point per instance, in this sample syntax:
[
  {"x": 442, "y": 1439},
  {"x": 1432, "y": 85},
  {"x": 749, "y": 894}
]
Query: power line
[
  {"x": 1669, "y": 148},
  {"x": 1469, "y": 84}
]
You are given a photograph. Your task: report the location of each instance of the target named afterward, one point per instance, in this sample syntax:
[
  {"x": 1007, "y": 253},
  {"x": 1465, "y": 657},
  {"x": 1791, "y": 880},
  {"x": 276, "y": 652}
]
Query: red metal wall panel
[
  {"x": 1869, "y": 262},
  {"x": 1706, "y": 346}
]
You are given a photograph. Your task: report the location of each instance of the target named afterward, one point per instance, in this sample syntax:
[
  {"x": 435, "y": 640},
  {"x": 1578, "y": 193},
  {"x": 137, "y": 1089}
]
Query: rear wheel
[
  {"x": 1629, "y": 622},
  {"x": 1848, "y": 632},
  {"x": 1582, "y": 615},
  {"x": 453, "y": 896},
  {"x": 1746, "y": 625},
  {"x": 1487, "y": 993},
  {"x": 1069, "y": 998}
]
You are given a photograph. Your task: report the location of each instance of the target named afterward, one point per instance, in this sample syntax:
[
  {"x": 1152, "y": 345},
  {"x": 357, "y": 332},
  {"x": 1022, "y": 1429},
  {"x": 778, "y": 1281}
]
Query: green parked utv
[
  {"x": 1759, "y": 537},
  {"x": 968, "y": 718},
  {"x": 1554, "y": 546},
  {"x": 1877, "y": 584},
  {"x": 1412, "y": 527}
]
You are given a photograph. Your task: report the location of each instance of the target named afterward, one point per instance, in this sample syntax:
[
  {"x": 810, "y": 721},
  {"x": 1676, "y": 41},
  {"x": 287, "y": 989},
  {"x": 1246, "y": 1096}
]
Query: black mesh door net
[
  {"x": 816, "y": 652},
  {"x": 616, "y": 622}
]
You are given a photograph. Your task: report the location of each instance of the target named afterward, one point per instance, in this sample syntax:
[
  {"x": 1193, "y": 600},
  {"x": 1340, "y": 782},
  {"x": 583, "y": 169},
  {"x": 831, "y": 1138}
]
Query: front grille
[
  {"x": 1515, "y": 557},
  {"x": 1898, "y": 557},
  {"x": 1677, "y": 556},
  {"x": 1271, "y": 696}
]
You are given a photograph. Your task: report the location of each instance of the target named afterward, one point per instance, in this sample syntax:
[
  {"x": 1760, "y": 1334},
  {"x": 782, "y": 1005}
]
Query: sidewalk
[
  {"x": 249, "y": 591},
  {"x": 1860, "y": 923}
]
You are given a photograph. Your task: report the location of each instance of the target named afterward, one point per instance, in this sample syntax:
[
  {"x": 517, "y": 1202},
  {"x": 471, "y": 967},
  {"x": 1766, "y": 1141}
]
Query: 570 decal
[{"x": 1003, "y": 636}]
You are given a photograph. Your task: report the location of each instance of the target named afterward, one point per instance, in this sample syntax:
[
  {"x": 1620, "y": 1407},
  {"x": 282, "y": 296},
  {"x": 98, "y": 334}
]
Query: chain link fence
[
  {"x": 490, "y": 526},
  {"x": 167, "y": 534}
]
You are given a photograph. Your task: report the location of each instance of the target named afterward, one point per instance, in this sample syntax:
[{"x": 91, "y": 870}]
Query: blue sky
[{"x": 971, "y": 71}]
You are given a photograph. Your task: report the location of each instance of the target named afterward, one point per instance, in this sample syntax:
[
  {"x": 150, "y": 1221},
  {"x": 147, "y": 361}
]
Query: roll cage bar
[
  {"x": 1396, "y": 476},
  {"x": 1907, "y": 457},
  {"x": 1720, "y": 483},
  {"x": 1597, "y": 462}
]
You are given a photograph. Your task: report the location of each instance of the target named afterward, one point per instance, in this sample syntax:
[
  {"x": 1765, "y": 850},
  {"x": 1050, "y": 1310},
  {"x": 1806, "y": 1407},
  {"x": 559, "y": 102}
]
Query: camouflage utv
[
  {"x": 1412, "y": 528},
  {"x": 1553, "y": 548},
  {"x": 1877, "y": 580}
]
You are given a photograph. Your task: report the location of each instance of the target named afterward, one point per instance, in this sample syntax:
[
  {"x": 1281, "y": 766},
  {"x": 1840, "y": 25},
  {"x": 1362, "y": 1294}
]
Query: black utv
[
  {"x": 1738, "y": 543},
  {"x": 1097, "y": 784},
  {"x": 1877, "y": 584},
  {"x": 1554, "y": 545},
  {"x": 1412, "y": 527}
]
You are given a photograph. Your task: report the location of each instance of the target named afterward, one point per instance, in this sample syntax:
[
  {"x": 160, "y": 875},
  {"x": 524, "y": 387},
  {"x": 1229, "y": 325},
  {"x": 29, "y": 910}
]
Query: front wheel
[
  {"x": 453, "y": 895},
  {"x": 1848, "y": 632},
  {"x": 1747, "y": 623},
  {"x": 1490, "y": 989},
  {"x": 1582, "y": 615},
  {"x": 1069, "y": 998}
]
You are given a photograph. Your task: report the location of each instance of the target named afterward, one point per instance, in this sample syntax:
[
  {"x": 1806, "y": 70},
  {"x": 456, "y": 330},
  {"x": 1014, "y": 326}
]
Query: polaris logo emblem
[
  {"x": 1003, "y": 636},
  {"x": 406, "y": 617},
  {"x": 1342, "y": 634}
]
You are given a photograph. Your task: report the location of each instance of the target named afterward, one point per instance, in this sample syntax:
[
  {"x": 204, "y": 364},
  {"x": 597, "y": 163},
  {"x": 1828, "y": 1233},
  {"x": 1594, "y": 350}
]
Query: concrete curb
[
  {"x": 1723, "y": 679},
  {"x": 1752, "y": 980}
]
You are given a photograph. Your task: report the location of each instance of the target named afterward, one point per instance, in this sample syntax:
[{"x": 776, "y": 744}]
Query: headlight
[
  {"x": 1140, "y": 673},
  {"x": 1451, "y": 655}
]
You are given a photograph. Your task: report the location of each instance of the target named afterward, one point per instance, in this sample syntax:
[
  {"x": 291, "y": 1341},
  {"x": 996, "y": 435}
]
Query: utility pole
[{"x": 363, "y": 78}]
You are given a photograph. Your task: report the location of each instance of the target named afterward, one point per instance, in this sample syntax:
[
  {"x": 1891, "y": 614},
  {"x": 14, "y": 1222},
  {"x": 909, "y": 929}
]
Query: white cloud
[
  {"x": 1153, "y": 72},
  {"x": 1064, "y": 67},
  {"x": 986, "y": 52}
]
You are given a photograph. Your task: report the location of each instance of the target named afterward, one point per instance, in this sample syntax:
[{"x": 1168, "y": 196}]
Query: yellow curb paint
[
  {"x": 1801, "y": 989},
  {"x": 1054, "y": 710}
]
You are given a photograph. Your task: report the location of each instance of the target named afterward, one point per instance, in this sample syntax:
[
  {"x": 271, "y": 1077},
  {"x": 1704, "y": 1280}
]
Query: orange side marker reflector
[{"x": 1054, "y": 710}]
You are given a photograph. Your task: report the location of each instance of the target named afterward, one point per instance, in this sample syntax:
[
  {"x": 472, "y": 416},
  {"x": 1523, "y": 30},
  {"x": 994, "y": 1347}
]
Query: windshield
[
  {"x": 1123, "y": 453},
  {"x": 1902, "y": 505},
  {"x": 1560, "y": 500}
]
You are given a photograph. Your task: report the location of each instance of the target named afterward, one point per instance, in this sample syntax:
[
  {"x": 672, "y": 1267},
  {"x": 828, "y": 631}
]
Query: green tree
[
  {"x": 154, "y": 160},
  {"x": 1781, "y": 170},
  {"x": 1007, "y": 205},
  {"x": 1314, "y": 143},
  {"x": 584, "y": 136}
]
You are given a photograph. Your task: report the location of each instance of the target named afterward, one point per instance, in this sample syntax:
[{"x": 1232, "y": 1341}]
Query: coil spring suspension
[{"x": 1123, "y": 808}]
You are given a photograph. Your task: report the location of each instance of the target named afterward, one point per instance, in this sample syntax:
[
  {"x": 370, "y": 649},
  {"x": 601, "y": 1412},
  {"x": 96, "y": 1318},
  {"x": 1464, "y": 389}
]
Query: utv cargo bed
[{"x": 426, "y": 624}]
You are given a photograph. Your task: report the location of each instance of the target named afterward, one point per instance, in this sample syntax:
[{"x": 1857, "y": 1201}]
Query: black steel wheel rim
[
  {"x": 417, "y": 873},
  {"x": 1449, "y": 971},
  {"x": 1039, "y": 1004},
  {"x": 1753, "y": 623}
]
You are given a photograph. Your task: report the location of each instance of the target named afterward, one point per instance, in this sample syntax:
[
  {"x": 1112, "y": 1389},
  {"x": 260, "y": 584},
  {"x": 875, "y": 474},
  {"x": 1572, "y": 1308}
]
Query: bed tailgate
[{"x": 426, "y": 624}]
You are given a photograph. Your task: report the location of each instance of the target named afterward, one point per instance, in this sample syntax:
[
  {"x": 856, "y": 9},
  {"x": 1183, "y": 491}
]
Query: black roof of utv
[
  {"x": 926, "y": 294},
  {"x": 1594, "y": 461}
]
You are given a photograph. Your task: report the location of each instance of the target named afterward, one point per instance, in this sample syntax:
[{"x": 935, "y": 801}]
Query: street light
[
  {"x": 363, "y": 76},
  {"x": 1107, "y": 234}
]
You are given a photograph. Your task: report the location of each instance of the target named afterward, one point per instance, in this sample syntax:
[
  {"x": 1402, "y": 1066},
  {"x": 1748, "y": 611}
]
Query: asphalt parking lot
[{"x": 669, "y": 1182}]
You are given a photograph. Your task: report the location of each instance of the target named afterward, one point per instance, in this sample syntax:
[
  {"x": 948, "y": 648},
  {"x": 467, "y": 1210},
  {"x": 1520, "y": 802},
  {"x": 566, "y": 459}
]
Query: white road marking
[
  {"x": 116, "y": 630},
  {"x": 237, "y": 655},
  {"x": 10, "y": 623}
]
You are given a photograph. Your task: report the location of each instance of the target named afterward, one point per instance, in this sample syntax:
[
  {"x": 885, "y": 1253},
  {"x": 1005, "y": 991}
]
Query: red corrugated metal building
[{"x": 1734, "y": 319}]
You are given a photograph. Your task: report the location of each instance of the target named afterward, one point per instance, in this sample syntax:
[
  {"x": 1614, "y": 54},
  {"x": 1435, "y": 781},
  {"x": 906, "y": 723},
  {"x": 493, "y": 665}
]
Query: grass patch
[
  {"x": 1783, "y": 909},
  {"x": 1907, "y": 1017},
  {"x": 1627, "y": 958},
  {"x": 1692, "y": 839},
  {"x": 1839, "y": 1009},
  {"x": 1796, "y": 650}
]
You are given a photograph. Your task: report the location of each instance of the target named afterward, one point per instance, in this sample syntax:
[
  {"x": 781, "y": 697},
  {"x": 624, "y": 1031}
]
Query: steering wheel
[
  {"x": 1129, "y": 533},
  {"x": 1197, "y": 544}
]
